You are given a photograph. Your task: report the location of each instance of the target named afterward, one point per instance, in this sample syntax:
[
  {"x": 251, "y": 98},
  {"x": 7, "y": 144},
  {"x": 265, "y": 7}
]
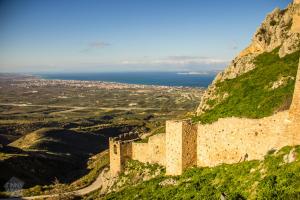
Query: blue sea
[{"x": 145, "y": 78}]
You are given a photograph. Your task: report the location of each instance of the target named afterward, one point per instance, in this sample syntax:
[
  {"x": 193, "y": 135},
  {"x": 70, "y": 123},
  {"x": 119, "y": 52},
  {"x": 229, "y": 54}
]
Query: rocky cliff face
[{"x": 278, "y": 30}]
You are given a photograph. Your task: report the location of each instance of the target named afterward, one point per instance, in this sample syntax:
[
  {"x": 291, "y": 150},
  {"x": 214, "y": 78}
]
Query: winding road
[
  {"x": 97, "y": 184},
  {"x": 103, "y": 181}
]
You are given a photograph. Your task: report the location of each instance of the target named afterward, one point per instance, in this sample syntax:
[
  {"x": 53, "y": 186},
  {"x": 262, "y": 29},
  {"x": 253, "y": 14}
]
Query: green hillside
[
  {"x": 251, "y": 95},
  {"x": 276, "y": 177},
  {"x": 49, "y": 153}
]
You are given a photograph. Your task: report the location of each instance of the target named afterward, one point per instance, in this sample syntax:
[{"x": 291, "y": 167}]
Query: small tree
[{"x": 59, "y": 192}]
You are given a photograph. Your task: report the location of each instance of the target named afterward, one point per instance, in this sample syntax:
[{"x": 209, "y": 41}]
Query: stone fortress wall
[
  {"x": 126, "y": 146},
  {"x": 229, "y": 140},
  {"x": 154, "y": 151},
  {"x": 232, "y": 140}
]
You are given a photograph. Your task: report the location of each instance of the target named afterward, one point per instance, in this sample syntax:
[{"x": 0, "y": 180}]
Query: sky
[{"x": 126, "y": 35}]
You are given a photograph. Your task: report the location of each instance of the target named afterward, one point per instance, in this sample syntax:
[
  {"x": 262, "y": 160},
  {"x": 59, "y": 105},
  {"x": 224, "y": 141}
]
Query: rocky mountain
[{"x": 277, "y": 31}]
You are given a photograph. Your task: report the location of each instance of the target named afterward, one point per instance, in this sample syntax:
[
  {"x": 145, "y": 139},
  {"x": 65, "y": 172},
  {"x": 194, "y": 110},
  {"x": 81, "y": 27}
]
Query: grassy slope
[
  {"x": 271, "y": 178},
  {"x": 48, "y": 153},
  {"x": 250, "y": 94}
]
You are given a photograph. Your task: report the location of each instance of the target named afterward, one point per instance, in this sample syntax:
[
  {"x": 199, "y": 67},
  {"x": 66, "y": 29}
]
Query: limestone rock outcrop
[{"x": 278, "y": 30}]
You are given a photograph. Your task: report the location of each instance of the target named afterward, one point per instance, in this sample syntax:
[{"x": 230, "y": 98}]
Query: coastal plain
[{"x": 67, "y": 122}]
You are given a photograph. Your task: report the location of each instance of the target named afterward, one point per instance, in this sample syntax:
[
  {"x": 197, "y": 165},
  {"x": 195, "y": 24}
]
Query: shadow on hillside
[{"x": 55, "y": 153}]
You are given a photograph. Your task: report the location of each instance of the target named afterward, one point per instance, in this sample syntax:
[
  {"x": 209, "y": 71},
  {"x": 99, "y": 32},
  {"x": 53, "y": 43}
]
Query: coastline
[
  {"x": 152, "y": 79},
  {"x": 31, "y": 80}
]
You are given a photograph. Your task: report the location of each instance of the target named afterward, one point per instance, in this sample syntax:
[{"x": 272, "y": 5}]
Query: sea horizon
[{"x": 184, "y": 79}]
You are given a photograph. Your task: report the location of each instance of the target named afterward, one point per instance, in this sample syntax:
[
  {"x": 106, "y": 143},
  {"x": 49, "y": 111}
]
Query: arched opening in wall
[{"x": 115, "y": 149}]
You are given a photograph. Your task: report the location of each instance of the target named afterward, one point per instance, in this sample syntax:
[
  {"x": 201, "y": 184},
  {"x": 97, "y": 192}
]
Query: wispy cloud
[
  {"x": 234, "y": 47},
  {"x": 98, "y": 44},
  {"x": 177, "y": 63},
  {"x": 95, "y": 45},
  {"x": 176, "y": 60}
]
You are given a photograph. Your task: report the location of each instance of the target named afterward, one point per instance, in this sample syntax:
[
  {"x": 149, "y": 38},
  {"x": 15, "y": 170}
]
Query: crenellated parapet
[
  {"x": 125, "y": 137},
  {"x": 120, "y": 149}
]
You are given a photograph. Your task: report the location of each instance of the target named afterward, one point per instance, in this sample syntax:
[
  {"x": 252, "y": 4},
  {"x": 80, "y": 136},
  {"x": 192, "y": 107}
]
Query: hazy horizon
[{"x": 209, "y": 71}]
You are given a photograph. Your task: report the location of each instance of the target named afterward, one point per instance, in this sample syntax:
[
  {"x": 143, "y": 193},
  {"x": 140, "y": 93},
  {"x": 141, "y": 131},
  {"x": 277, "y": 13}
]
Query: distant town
[{"x": 32, "y": 81}]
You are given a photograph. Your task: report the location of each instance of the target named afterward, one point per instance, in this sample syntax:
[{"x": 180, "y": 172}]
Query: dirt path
[{"x": 103, "y": 182}]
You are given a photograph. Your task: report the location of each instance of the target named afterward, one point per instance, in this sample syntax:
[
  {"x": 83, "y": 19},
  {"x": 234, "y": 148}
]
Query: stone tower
[
  {"x": 115, "y": 156},
  {"x": 120, "y": 150},
  {"x": 296, "y": 17},
  {"x": 181, "y": 146},
  {"x": 293, "y": 127}
]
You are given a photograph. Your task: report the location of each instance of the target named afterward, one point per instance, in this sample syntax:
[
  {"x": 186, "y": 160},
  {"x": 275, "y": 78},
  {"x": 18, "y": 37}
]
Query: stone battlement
[
  {"x": 229, "y": 140},
  {"x": 125, "y": 137},
  {"x": 120, "y": 150}
]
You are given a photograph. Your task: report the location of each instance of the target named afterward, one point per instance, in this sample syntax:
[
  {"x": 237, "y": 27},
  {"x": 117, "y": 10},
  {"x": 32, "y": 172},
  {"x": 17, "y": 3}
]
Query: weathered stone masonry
[
  {"x": 229, "y": 140},
  {"x": 175, "y": 149},
  {"x": 293, "y": 121},
  {"x": 154, "y": 151},
  {"x": 233, "y": 140},
  {"x": 181, "y": 146},
  {"x": 120, "y": 150},
  {"x": 125, "y": 147}
]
